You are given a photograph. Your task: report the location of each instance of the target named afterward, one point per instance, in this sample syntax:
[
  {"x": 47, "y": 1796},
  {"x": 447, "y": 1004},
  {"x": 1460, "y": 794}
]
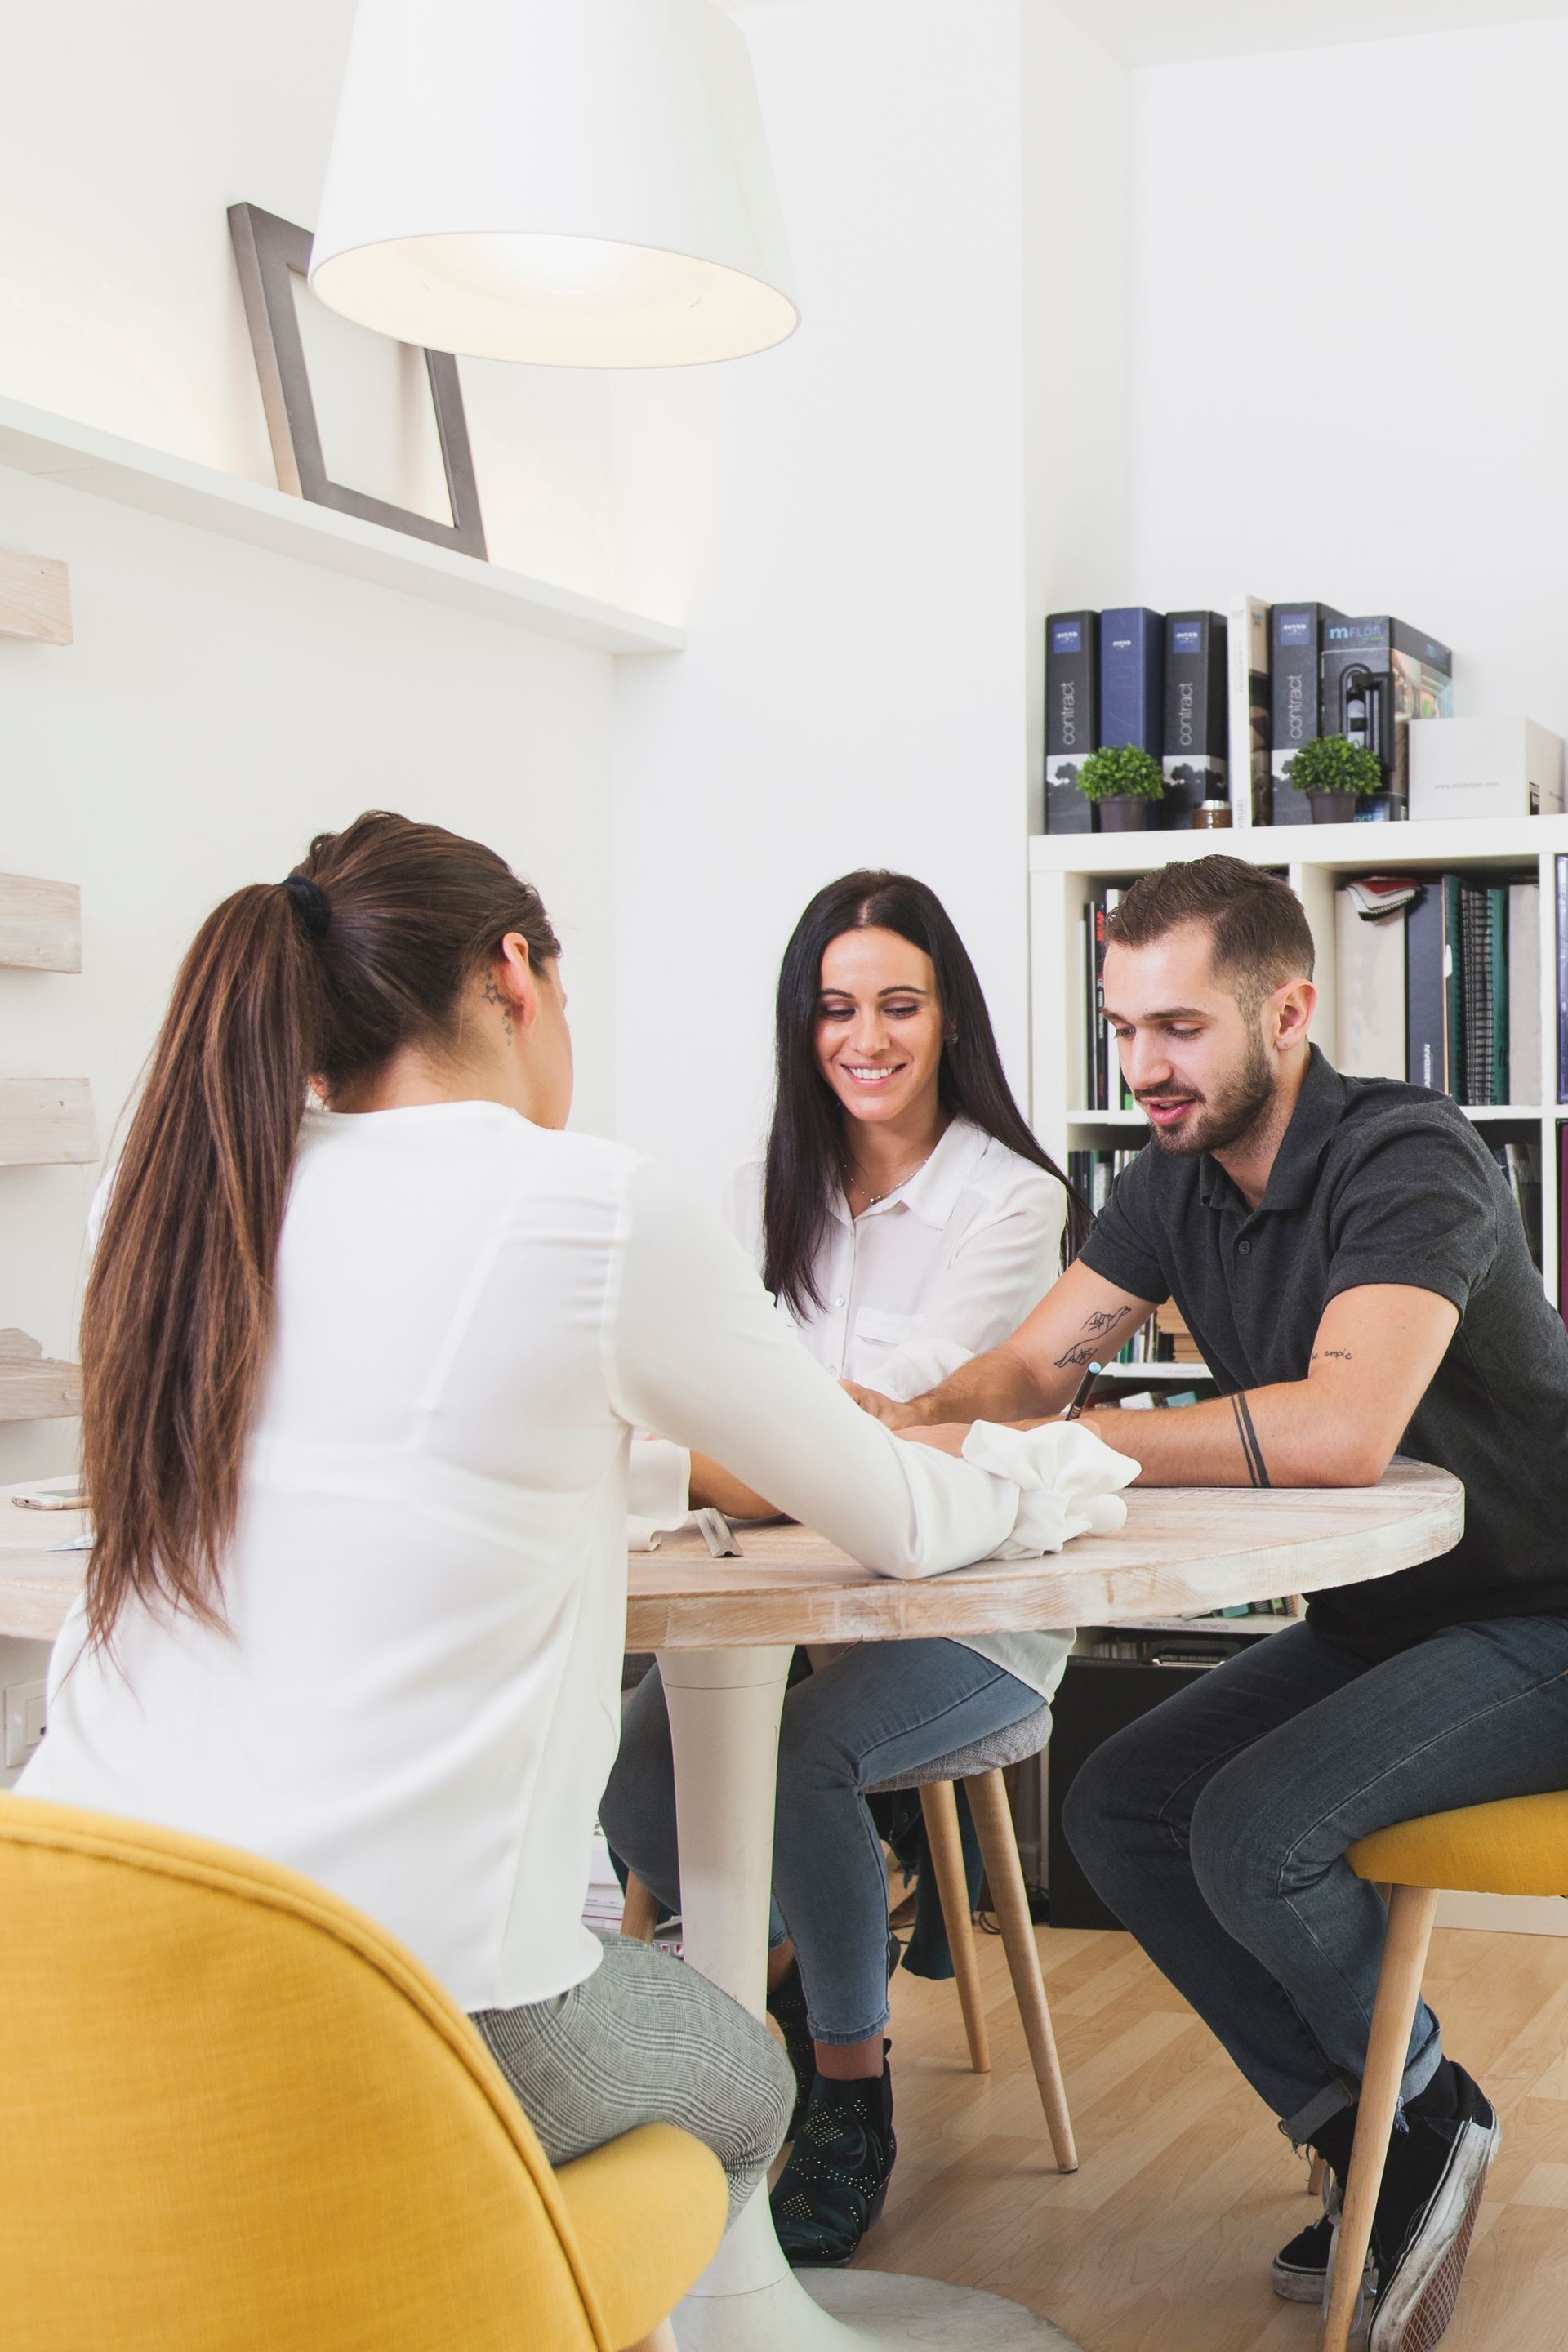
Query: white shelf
[
  {"x": 1354, "y": 849},
  {"x": 80, "y": 457},
  {"x": 1151, "y": 1372},
  {"x": 1131, "y": 1118}
]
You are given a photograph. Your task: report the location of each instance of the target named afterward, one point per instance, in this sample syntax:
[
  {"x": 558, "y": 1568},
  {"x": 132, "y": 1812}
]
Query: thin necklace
[{"x": 886, "y": 1191}]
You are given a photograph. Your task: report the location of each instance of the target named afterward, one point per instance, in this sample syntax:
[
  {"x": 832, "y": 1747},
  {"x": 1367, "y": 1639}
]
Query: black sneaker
[
  {"x": 835, "y": 2181},
  {"x": 1426, "y": 2212},
  {"x": 1301, "y": 2268},
  {"x": 786, "y": 2007}
]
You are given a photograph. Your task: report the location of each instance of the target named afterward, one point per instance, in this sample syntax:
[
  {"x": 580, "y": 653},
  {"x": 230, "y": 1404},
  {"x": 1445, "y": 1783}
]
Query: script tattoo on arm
[
  {"x": 1096, "y": 1329},
  {"x": 1252, "y": 1452},
  {"x": 492, "y": 995},
  {"x": 1333, "y": 1354}
]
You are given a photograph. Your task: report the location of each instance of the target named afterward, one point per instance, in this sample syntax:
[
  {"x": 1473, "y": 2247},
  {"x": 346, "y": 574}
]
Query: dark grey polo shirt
[{"x": 1378, "y": 1181}]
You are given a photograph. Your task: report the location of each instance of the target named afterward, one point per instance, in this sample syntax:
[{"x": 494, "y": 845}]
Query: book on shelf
[
  {"x": 1369, "y": 960},
  {"x": 1378, "y": 674},
  {"x": 1520, "y": 1166},
  {"x": 1197, "y": 718},
  {"x": 1295, "y": 666},
  {"x": 1093, "y": 1039},
  {"x": 1426, "y": 949},
  {"x": 1246, "y": 673},
  {"x": 1072, "y": 716},
  {"x": 1104, "y": 1088},
  {"x": 1524, "y": 992},
  {"x": 1133, "y": 677},
  {"x": 1561, "y": 877},
  {"x": 1444, "y": 989}
]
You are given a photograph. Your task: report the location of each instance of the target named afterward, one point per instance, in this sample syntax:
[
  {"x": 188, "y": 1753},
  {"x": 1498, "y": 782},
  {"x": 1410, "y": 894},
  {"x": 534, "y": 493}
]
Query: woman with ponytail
[{"x": 359, "y": 1384}]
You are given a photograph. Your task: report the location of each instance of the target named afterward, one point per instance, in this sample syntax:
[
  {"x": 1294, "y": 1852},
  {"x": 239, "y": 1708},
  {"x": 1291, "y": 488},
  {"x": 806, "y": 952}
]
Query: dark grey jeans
[
  {"x": 1215, "y": 1828},
  {"x": 646, "y": 2040},
  {"x": 883, "y": 1708}
]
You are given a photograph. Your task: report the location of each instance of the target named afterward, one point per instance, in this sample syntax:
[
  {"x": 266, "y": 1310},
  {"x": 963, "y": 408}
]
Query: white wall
[
  {"x": 854, "y": 688},
  {"x": 1350, "y": 342},
  {"x": 1077, "y": 251},
  {"x": 219, "y": 705},
  {"x": 118, "y": 303}
]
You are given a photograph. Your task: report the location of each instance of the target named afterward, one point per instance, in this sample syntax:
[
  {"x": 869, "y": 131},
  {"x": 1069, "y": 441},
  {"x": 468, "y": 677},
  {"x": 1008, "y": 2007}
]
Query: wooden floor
[{"x": 1162, "y": 2242}]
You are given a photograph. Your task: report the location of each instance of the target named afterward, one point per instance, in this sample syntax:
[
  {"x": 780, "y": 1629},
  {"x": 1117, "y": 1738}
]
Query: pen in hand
[{"x": 1081, "y": 1395}]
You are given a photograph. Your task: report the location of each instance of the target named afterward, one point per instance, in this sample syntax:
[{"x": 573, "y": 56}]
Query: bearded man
[{"x": 1350, "y": 1260}]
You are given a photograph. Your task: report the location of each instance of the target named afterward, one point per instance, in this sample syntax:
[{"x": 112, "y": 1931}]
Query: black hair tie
[{"x": 311, "y": 903}]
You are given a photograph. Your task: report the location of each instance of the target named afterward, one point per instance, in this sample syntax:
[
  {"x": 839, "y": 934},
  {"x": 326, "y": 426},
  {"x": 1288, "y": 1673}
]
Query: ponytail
[
  {"x": 175, "y": 1321},
  {"x": 366, "y": 948}
]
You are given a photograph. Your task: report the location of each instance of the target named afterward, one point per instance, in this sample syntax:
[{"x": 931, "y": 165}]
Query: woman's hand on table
[
  {"x": 713, "y": 1485},
  {"x": 885, "y": 1409}
]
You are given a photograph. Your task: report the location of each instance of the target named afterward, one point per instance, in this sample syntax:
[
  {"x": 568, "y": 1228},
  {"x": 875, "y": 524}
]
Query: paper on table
[{"x": 1069, "y": 1482}]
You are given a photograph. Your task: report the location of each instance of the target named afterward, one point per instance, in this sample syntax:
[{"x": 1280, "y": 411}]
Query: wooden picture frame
[{"x": 267, "y": 250}]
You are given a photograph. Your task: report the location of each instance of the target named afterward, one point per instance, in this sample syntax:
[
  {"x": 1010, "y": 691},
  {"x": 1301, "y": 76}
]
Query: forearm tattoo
[
  {"x": 1097, "y": 1328},
  {"x": 1257, "y": 1469}
]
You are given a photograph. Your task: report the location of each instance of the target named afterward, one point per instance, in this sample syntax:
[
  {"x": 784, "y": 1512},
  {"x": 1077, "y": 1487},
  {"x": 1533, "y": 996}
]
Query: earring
[{"x": 953, "y": 1035}]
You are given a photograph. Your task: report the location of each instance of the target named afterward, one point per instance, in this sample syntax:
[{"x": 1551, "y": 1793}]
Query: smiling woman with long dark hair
[
  {"x": 812, "y": 1146},
  {"x": 904, "y": 1218}
]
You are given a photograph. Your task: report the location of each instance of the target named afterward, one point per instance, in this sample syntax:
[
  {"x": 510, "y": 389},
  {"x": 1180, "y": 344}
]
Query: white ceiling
[{"x": 1167, "y": 32}]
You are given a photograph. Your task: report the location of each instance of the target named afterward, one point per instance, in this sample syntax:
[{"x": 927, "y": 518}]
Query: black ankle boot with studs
[{"x": 835, "y": 2181}]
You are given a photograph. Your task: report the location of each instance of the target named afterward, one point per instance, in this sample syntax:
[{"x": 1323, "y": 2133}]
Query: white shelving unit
[{"x": 1314, "y": 859}]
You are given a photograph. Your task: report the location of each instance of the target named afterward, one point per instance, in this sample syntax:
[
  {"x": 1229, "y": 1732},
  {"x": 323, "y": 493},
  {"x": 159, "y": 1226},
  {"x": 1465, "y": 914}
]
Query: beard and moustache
[{"x": 1229, "y": 1115}]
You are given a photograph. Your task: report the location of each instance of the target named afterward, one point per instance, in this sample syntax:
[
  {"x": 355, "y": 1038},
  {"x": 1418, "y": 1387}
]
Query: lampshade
[{"x": 575, "y": 182}]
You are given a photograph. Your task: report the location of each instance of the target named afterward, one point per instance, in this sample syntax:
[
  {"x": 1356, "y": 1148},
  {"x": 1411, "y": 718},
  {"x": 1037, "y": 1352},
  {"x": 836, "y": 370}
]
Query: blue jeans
[
  {"x": 883, "y": 1708},
  {"x": 1215, "y": 1828}
]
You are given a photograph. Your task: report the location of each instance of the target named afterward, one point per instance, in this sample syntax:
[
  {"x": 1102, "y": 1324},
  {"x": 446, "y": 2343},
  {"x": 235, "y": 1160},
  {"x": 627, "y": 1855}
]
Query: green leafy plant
[
  {"x": 1333, "y": 764},
  {"x": 1121, "y": 767}
]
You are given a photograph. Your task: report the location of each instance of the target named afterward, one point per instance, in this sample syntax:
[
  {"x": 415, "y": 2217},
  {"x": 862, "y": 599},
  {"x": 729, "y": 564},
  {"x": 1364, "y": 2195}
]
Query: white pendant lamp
[{"x": 575, "y": 183}]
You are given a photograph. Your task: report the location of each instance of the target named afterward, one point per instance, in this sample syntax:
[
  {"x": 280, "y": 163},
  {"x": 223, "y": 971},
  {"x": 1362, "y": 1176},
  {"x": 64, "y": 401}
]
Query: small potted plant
[
  {"x": 1124, "y": 783},
  {"x": 1335, "y": 775}
]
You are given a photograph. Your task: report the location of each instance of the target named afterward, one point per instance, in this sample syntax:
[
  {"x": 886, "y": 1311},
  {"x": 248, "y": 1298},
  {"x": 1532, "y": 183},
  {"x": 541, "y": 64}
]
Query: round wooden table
[{"x": 724, "y": 1631}]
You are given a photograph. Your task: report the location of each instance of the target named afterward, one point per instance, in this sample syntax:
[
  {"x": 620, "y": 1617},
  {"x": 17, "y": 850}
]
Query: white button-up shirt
[
  {"x": 929, "y": 1276},
  {"x": 415, "y": 1700}
]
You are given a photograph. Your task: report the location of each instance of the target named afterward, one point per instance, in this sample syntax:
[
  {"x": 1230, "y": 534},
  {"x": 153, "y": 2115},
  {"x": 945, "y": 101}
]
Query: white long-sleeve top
[
  {"x": 925, "y": 1278},
  {"x": 416, "y": 1700},
  {"x": 929, "y": 1276}
]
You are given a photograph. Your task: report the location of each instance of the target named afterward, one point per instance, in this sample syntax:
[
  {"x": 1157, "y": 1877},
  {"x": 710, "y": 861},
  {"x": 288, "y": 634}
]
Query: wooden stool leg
[
  {"x": 1315, "y": 2172},
  {"x": 639, "y": 1914},
  {"x": 940, "y": 1807},
  {"x": 1410, "y": 1916},
  {"x": 999, "y": 1844}
]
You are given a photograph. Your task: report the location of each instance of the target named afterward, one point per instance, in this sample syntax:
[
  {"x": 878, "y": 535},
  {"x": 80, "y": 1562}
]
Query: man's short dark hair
[{"x": 1258, "y": 925}]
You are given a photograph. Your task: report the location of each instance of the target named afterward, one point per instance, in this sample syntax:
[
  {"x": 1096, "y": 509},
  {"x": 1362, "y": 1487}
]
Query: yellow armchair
[{"x": 239, "y": 2117}]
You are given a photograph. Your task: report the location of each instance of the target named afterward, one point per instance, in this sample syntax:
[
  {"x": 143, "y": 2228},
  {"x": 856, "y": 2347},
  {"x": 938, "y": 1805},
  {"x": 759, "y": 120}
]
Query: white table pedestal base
[{"x": 724, "y": 1718}]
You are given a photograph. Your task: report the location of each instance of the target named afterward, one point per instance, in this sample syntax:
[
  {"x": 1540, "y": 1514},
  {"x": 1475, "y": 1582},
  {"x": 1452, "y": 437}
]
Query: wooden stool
[
  {"x": 980, "y": 1766},
  {"x": 1518, "y": 1846}
]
